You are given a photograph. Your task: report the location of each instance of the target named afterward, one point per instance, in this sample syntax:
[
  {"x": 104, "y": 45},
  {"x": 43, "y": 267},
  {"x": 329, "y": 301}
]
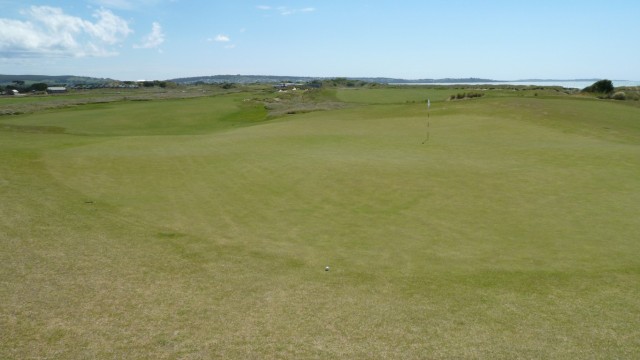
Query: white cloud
[
  {"x": 116, "y": 4},
  {"x": 50, "y": 32},
  {"x": 284, "y": 11},
  {"x": 154, "y": 39},
  {"x": 109, "y": 28},
  {"x": 127, "y": 4},
  {"x": 221, "y": 38}
]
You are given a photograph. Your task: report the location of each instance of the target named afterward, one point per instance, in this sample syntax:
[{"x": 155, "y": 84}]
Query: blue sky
[{"x": 163, "y": 39}]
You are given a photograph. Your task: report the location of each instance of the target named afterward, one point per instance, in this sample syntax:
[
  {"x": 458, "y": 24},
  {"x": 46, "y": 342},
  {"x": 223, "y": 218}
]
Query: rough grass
[
  {"x": 291, "y": 102},
  {"x": 511, "y": 233},
  {"x": 183, "y": 116},
  {"x": 16, "y": 105}
]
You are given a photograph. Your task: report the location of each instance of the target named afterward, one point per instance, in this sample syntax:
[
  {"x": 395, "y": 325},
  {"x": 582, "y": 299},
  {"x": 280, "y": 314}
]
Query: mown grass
[{"x": 511, "y": 233}]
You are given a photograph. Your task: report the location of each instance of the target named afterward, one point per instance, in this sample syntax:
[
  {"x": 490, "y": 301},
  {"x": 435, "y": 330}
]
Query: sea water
[{"x": 569, "y": 84}]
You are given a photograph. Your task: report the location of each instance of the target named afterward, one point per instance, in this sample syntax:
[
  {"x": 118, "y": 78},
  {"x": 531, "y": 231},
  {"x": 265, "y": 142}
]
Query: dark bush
[
  {"x": 470, "y": 95},
  {"x": 39, "y": 87},
  {"x": 600, "y": 86}
]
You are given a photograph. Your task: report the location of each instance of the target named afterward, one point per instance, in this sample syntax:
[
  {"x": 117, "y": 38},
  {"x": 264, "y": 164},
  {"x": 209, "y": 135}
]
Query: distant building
[
  {"x": 56, "y": 89},
  {"x": 12, "y": 92}
]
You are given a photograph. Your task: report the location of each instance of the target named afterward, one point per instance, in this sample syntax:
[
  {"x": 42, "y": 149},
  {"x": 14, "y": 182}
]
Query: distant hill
[
  {"x": 242, "y": 79},
  {"x": 72, "y": 80},
  {"x": 67, "y": 80},
  {"x": 553, "y": 80},
  {"x": 249, "y": 79}
]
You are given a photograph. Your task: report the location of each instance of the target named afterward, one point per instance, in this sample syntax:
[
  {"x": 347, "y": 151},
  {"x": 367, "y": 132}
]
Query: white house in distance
[{"x": 56, "y": 89}]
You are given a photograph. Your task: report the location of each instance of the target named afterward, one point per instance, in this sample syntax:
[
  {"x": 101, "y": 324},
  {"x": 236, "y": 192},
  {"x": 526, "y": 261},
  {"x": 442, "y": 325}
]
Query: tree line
[{"x": 20, "y": 86}]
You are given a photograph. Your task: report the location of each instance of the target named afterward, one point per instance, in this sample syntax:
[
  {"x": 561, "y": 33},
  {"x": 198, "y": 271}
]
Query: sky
[{"x": 411, "y": 39}]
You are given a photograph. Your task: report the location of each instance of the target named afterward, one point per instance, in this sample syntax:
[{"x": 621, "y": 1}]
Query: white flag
[{"x": 428, "y": 104}]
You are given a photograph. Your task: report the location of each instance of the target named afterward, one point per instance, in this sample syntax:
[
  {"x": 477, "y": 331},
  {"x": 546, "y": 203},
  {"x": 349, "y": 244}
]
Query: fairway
[{"x": 201, "y": 228}]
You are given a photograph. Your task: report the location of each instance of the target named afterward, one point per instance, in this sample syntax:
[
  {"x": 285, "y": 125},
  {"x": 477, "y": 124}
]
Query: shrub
[
  {"x": 601, "y": 86},
  {"x": 619, "y": 95},
  {"x": 474, "y": 95},
  {"x": 470, "y": 95},
  {"x": 39, "y": 87}
]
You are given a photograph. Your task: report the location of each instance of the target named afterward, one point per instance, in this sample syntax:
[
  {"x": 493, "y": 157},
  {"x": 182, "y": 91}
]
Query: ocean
[{"x": 575, "y": 84}]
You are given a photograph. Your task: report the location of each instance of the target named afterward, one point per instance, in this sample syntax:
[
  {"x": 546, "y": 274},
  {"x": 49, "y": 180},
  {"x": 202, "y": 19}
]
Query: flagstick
[
  {"x": 428, "y": 108},
  {"x": 427, "y": 139}
]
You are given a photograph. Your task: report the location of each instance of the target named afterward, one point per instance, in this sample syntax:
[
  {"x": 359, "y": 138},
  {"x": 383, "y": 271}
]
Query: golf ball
[{"x": 326, "y": 268}]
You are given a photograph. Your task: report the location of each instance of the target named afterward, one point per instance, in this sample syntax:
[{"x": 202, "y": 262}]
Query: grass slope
[{"x": 511, "y": 233}]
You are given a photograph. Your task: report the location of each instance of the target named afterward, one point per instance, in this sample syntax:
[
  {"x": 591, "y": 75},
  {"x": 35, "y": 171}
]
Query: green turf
[
  {"x": 415, "y": 94},
  {"x": 129, "y": 118},
  {"x": 511, "y": 233}
]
